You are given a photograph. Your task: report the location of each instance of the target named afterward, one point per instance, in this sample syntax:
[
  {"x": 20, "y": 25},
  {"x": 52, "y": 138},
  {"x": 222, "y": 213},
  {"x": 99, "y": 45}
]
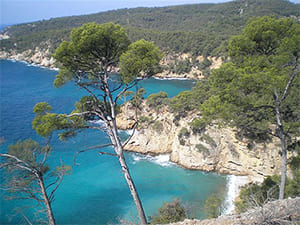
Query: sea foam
[
  {"x": 162, "y": 160},
  {"x": 234, "y": 184}
]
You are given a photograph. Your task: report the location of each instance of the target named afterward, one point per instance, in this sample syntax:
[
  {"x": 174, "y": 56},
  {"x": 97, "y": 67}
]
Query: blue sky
[{"x": 20, "y": 11}]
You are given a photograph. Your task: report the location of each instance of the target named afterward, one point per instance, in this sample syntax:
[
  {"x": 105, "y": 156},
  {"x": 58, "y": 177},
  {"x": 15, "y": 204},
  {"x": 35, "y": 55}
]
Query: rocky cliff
[
  {"x": 216, "y": 149},
  {"x": 43, "y": 57}
]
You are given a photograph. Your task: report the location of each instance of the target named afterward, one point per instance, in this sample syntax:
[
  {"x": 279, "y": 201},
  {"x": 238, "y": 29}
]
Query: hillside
[{"x": 200, "y": 28}]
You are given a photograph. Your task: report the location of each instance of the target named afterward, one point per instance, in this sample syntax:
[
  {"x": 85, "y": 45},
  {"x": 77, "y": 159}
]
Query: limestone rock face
[
  {"x": 41, "y": 57},
  {"x": 217, "y": 149}
]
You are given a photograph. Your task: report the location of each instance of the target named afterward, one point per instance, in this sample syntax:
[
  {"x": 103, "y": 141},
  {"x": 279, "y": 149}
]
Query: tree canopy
[
  {"x": 90, "y": 59},
  {"x": 260, "y": 86}
]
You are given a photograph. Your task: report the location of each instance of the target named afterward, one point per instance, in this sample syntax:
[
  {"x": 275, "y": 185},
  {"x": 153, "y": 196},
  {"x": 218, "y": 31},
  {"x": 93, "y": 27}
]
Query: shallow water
[{"x": 95, "y": 192}]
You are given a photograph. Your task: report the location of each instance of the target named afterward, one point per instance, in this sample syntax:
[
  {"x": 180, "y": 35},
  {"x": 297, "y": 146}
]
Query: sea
[{"x": 95, "y": 192}]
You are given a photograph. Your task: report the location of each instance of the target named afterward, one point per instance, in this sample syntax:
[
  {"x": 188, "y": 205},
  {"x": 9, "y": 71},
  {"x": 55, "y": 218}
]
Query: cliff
[
  {"x": 285, "y": 211},
  {"x": 216, "y": 149},
  {"x": 43, "y": 57}
]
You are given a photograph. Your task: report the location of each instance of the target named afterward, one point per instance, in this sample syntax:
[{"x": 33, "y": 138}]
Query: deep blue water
[{"x": 95, "y": 192}]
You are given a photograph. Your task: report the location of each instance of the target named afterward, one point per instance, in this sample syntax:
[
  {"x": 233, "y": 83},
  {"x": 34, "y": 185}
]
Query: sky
[{"x": 21, "y": 11}]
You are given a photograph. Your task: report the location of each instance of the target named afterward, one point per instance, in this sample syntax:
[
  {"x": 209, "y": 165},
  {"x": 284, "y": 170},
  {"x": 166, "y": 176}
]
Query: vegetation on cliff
[{"x": 202, "y": 29}]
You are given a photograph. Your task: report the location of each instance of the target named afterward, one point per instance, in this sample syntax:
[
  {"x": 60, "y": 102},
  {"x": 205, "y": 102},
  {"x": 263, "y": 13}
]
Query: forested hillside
[{"x": 200, "y": 28}]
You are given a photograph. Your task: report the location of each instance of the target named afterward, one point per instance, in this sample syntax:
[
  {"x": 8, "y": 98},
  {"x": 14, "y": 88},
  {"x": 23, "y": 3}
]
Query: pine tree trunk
[
  {"x": 132, "y": 189},
  {"x": 283, "y": 152},
  {"x": 125, "y": 170},
  {"x": 50, "y": 216}
]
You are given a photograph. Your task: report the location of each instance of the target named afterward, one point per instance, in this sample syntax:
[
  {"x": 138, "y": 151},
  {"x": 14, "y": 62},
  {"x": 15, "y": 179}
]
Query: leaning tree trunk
[
  {"x": 283, "y": 152},
  {"x": 46, "y": 201},
  {"x": 125, "y": 170}
]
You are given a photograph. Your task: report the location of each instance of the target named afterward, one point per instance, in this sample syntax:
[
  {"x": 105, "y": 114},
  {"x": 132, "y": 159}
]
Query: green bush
[
  {"x": 157, "y": 126},
  {"x": 213, "y": 206},
  {"x": 202, "y": 149},
  {"x": 183, "y": 133},
  {"x": 170, "y": 212},
  {"x": 157, "y": 100},
  {"x": 197, "y": 125},
  {"x": 209, "y": 140},
  {"x": 253, "y": 195}
]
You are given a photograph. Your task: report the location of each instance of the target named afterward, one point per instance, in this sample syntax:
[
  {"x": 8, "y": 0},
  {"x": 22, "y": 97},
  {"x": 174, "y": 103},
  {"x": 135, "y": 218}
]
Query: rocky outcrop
[
  {"x": 216, "y": 149},
  {"x": 282, "y": 212},
  {"x": 43, "y": 57},
  {"x": 194, "y": 73},
  {"x": 37, "y": 56}
]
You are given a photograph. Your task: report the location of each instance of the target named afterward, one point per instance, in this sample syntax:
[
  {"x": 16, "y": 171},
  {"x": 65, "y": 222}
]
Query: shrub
[
  {"x": 170, "y": 212},
  {"x": 197, "y": 125},
  {"x": 253, "y": 195},
  {"x": 157, "y": 126},
  {"x": 183, "y": 133},
  {"x": 209, "y": 140},
  {"x": 202, "y": 149},
  {"x": 213, "y": 206},
  {"x": 157, "y": 100}
]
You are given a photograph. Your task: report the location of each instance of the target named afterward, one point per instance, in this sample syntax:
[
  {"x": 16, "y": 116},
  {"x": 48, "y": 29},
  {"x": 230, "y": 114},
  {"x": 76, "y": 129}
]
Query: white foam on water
[
  {"x": 234, "y": 184},
  {"x": 171, "y": 78},
  {"x": 130, "y": 131},
  {"x": 162, "y": 160}
]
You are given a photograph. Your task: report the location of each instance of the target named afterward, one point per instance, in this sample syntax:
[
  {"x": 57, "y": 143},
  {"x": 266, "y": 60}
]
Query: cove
[{"x": 95, "y": 192}]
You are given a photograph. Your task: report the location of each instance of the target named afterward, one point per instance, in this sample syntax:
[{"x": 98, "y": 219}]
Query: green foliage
[
  {"x": 253, "y": 195},
  {"x": 181, "y": 67},
  {"x": 189, "y": 100},
  {"x": 157, "y": 100},
  {"x": 91, "y": 47},
  {"x": 197, "y": 125},
  {"x": 141, "y": 60},
  {"x": 170, "y": 212},
  {"x": 137, "y": 99},
  {"x": 29, "y": 151},
  {"x": 202, "y": 149},
  {"x": 213, "y": 206},
  {"x": 263, "y": 60},
  {"x": 182, "y": 135},
  {"x": 45, "y": 122},
  {"x": 157, "y": 126},
  {"x": 208, "y": 139},
  {"x": 199, "y": 28},
  {"x": 181, "y": 102}
]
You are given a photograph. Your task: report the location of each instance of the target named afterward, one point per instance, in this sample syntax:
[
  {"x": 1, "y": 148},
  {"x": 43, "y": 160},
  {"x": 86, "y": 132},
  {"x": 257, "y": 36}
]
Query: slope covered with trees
[{"x": 198, "y": 28}]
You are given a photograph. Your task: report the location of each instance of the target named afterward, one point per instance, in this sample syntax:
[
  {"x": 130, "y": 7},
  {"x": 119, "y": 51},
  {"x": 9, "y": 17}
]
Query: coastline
[
  {"x": 31, "y": 64},
  {"x": 233, "y": 183}
]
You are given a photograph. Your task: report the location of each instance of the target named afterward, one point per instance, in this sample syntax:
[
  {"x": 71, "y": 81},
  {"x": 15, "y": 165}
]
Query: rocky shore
[
  {"x": 43, "y": 57},
  {"x": 40, "y": 57},
  {"x": 217, "y": 149}
]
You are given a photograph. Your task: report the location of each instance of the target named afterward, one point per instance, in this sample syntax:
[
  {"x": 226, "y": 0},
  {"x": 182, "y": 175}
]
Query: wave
[
  {"x": 33, "y": 64},
  {"x": 172, "y": 78},
  {"x": 162, "y": 160},
  {"x": 98, "y": 122},
  {"x": 234, "y": 184}
]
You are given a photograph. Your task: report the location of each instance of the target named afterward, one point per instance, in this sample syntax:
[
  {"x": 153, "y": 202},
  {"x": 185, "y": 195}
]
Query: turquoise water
[{"x": 95, "y": 193}]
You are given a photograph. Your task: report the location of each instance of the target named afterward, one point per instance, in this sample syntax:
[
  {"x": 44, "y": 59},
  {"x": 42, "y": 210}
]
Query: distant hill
[{"x": 198, "y": 28}]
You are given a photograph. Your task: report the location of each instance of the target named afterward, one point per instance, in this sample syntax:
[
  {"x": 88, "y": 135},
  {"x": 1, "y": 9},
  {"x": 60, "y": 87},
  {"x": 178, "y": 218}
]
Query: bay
[{"x": 95, "y": 192}]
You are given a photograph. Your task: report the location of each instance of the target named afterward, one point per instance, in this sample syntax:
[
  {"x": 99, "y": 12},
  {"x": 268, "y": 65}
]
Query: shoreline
[
  {"x": 234, "y": 183},
  {"x": 31, "y": 64},
  {"x": 51, "y": 67}
]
